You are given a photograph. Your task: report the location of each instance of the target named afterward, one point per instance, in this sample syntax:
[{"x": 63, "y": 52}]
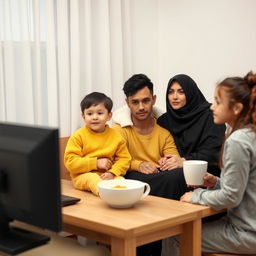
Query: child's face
[
  {"x": 96, "y": 117},
  {"x": 222, "y": 112}
]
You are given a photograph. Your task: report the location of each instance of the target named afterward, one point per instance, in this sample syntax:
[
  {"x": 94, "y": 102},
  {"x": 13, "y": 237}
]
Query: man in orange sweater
[{"x": 148, "y": 144}]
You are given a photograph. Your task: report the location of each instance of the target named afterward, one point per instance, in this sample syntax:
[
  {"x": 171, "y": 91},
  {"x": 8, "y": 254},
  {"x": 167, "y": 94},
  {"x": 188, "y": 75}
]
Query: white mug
[{"x": 194, "y": 171}]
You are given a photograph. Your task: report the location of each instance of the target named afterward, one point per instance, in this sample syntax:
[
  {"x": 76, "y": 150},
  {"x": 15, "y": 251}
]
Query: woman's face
[{"x": 176, "y": 96}]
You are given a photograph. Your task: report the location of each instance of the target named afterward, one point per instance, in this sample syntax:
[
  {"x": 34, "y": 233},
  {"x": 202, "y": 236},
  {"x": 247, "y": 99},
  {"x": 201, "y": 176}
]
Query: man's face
[{"x": 141, "y": 104}]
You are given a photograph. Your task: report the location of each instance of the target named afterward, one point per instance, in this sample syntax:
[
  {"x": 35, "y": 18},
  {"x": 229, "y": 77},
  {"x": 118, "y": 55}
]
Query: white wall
[{"x": 207, "y": 40}]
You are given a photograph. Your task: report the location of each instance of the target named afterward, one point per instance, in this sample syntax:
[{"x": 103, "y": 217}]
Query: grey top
[{"x": 236, "y": 187}]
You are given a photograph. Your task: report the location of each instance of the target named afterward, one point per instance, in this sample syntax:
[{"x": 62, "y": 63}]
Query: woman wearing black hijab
[{"x": 190, "y": 121}]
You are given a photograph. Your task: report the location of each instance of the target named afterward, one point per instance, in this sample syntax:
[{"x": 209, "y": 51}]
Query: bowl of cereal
[{"x": 122, "y": 193}]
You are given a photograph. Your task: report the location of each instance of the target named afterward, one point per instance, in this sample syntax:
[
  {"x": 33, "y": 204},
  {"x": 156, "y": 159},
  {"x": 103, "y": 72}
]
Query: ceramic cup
[{"x": 194, "y": 171}]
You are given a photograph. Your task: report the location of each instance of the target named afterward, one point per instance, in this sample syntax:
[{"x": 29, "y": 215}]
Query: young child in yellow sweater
[{"x": 96, "y": 152}]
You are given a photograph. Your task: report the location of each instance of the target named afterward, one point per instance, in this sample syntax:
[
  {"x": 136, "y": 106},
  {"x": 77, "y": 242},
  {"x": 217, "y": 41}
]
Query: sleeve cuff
[
  {"x": 92, "y": 163},
  {"x": 135, "y": 165}
]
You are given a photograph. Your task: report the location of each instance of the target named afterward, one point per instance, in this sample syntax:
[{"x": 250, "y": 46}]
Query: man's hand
[
  {"x": 148, "y": 167},
  {"x": 162, "y": 161},
  {"x": 104, "y": 164},
  {"x": 170, "y": 162},
  {"x": 107, "y": 176},
  {"x": 187, "y": 197}
]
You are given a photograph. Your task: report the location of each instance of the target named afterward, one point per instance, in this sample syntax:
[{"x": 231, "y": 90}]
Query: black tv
[{"x": 29, "y": 185}]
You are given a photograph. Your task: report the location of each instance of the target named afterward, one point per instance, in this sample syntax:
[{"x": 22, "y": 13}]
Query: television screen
[{"x": 29, "y": 184}]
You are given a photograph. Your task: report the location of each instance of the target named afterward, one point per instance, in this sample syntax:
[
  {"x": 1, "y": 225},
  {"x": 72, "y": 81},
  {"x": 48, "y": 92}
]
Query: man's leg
[{"x": 167, "y": 184}]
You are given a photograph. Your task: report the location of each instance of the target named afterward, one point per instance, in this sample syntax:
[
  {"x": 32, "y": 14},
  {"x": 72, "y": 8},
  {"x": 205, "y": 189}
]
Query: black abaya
[{"x": 195, "y": 134}]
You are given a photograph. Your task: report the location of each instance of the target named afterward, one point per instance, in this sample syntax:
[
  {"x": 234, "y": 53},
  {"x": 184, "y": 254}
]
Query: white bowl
[{"x": 125, "y": 196}]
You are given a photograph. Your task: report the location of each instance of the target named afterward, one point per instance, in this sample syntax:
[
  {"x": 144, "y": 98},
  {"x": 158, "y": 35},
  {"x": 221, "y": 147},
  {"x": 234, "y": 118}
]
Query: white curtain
[{"x": 54, "y": 52}]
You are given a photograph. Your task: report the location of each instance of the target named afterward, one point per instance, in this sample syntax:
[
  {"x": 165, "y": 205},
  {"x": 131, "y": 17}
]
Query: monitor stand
[{"x": 16, "y": 240}]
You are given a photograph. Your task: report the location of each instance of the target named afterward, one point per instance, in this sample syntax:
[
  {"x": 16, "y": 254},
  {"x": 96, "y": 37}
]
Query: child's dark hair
[
  {"x": 94, "y": 99},
  {"x": 135, "y": 83},
  {"x": 242, "y": 90}
]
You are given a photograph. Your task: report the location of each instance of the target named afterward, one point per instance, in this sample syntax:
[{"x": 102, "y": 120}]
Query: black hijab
[
  {"x": 195, "y": 134},
  {"x": 195, "y": 108}
]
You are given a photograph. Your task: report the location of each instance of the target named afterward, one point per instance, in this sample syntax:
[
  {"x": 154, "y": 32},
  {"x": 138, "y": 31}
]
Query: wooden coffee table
[{"x": 150, "y": 219}]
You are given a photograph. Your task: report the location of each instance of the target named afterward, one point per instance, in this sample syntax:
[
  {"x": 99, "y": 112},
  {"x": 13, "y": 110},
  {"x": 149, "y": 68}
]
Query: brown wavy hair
[
  {"x": 251, "y": 116},
  {"x": 241, "y": 90}
]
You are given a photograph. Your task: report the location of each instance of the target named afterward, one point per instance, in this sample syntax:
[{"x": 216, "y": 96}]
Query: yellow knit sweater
[
  {"x": 84, "y": 147},
  {"x": 147, "y": 148}
]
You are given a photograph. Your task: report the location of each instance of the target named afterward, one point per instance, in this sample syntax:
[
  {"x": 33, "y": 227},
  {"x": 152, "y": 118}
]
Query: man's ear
[
  {"x": 237, "y": 108},
  {"x": 154, "y": 99},
  {"x": 127, "y": 102}
]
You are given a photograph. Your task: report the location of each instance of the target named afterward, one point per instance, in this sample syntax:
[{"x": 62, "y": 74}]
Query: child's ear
[
  {"x": 238, "y": 107},
  {"x": 82, "y": 114},
  {"x": 109, "y": 115}
]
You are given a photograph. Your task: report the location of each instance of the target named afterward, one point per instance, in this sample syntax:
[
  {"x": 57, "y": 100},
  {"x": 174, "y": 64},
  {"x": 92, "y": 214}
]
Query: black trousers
[{"x": 167, "y": 184}]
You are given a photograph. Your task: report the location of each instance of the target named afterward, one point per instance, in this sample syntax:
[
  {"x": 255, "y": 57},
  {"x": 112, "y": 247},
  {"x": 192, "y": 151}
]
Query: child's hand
[
  {"x": 107, "y": 176},
  {"x": 209, "y": 180},
  {"x": 187, "y": 197},
  {"x": 104, "y": 164}
]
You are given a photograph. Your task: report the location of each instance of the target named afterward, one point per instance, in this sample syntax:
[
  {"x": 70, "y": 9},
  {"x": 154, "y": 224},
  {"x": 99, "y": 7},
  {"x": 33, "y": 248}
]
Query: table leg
[
  {"x": 190, "y": 239},
  {"x": 123, "y": 247}
]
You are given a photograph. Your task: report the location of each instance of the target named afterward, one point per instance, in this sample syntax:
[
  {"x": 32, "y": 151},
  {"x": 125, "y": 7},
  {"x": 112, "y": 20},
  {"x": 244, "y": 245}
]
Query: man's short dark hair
[
  {"x": 94, "y": 99},
  {"x": 136, "y": 83}
]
